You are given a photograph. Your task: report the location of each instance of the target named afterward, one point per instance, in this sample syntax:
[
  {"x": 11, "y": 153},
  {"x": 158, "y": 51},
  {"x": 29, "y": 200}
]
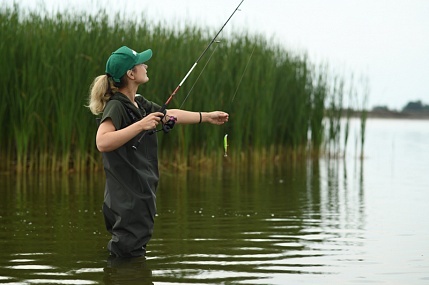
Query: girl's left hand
[{"x": 217, "y": 117}]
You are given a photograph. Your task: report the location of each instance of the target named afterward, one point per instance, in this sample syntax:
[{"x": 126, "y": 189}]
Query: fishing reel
[{"x": 167, "y": 126}]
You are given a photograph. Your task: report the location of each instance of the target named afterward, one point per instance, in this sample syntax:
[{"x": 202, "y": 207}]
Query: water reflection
[
  {"x": 49, "y": 230},
  {"x": 259, "y": 226},
  {"x": 256, "y": 225},
  {"x": 127, "y": 271}
]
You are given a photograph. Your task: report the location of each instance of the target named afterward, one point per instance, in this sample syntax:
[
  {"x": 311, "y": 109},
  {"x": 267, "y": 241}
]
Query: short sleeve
[{"x": 116, "y": 112}]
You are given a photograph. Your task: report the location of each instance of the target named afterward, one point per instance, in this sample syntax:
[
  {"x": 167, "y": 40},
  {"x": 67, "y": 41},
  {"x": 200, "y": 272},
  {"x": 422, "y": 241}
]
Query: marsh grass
[{"x": 285, "y": 107}]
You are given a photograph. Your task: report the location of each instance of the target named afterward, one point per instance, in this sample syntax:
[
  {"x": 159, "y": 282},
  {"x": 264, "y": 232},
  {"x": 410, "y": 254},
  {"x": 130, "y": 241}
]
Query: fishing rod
[{"x": 169, "y": 125}]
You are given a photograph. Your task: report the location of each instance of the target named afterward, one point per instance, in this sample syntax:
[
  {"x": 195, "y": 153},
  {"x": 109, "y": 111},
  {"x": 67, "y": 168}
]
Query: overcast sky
[{"x": 386, "y": 41}]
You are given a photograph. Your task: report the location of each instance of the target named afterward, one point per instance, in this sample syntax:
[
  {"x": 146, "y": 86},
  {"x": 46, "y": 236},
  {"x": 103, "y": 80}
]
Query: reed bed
[{"x": 284, "y": 107}]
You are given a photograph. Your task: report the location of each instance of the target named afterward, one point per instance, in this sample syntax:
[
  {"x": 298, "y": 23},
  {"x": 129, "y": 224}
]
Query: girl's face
[{"x": 140, "y": 73}]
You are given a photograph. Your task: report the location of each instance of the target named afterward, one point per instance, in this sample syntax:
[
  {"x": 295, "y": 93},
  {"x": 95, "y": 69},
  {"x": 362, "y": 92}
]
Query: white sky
[{"x": 386, "y": 41}]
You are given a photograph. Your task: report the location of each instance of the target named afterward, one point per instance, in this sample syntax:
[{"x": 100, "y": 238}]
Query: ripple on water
[{"x": 27, "y": 268}]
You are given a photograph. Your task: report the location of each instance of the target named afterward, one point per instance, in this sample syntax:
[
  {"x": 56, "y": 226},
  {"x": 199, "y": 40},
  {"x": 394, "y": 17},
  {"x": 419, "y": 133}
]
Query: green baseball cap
[{"x": 123, "y": 59}]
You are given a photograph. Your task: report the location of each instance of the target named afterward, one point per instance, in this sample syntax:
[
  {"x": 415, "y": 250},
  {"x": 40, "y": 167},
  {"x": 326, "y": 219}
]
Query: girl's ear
[{"x": 130, "y": 74}]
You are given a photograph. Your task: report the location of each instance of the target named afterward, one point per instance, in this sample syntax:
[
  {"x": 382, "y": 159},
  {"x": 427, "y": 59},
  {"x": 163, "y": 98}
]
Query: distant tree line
[{"x": 411, "y": 107}]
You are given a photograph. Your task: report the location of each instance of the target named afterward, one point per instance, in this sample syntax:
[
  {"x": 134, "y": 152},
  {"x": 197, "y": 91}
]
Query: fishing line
[
  {"x": 242, "y": 75},
  {"x": 164, "y": 107},
  {"x": 225, "y": 138},
  {"x": 196, "y": 80}
]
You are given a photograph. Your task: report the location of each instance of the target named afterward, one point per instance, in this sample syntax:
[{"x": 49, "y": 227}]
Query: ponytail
[{"x": 101, "y": 90}]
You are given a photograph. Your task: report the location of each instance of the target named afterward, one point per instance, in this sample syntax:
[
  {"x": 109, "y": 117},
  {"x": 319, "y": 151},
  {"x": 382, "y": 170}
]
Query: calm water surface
[{"x": 345, "y": 221}]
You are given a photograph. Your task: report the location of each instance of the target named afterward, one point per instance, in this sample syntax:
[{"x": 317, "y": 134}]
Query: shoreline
[{"x": 393, "y": 115}]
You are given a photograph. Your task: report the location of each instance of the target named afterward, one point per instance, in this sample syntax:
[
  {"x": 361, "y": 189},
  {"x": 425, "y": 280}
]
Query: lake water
[{"x": 345, "y": 221}]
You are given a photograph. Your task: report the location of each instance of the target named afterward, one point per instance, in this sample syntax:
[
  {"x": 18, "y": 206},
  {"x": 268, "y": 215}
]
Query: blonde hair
[{"x": 101, "y": 90}]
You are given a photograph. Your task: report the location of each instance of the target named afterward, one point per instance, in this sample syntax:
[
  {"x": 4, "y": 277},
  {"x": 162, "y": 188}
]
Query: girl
[{"x": 131, "y": 175}]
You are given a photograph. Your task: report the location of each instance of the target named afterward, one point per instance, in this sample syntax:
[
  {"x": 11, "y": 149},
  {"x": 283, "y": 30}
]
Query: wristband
[{"x": 201, "y": 118}]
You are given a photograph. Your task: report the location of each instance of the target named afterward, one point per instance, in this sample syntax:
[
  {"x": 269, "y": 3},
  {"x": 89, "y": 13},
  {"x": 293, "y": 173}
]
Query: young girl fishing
[{"x": 132, "y": 172}]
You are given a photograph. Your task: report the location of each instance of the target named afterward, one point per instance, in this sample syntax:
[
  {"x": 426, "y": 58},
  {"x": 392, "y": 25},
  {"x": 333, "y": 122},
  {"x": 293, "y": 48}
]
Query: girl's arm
[
  {"x": 109, "y": 139},
  {"x": 188, "y": 117}
]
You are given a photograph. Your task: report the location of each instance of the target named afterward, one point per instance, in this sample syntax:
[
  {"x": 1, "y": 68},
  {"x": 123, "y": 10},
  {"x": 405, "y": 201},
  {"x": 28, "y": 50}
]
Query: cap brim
[{"x": 144, "y": 56}]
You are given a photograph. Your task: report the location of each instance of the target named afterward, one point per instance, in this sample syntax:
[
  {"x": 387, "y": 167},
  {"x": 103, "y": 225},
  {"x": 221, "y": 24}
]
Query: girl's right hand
[{"x": 151, "y": 121}]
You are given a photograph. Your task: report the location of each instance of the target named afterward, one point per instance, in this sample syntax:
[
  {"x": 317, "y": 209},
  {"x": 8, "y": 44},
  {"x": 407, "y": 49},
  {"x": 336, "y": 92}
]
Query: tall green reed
[{"x": 278, "y": 111}]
